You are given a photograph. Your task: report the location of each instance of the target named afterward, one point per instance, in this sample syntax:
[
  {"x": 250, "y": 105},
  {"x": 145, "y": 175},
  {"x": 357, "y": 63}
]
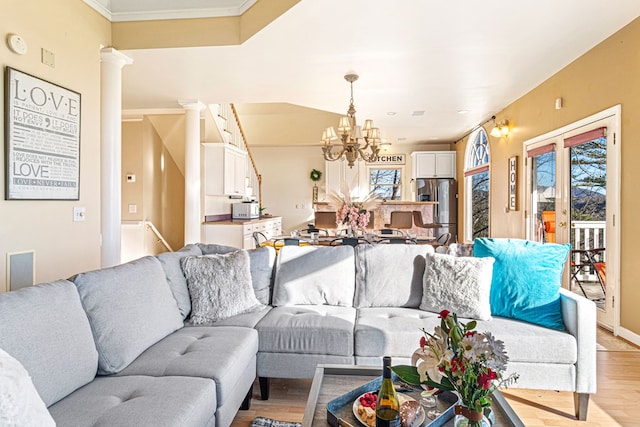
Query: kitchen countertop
[{"x": 241, "y": 221}]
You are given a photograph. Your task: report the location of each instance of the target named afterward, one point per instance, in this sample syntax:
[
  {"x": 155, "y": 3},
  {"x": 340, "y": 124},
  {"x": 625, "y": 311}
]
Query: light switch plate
[{"x": 78, "y": 214}]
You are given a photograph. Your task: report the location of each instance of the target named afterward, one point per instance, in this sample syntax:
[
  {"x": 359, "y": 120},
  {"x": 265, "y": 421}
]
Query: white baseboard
[{"x": 629, "y": 335}]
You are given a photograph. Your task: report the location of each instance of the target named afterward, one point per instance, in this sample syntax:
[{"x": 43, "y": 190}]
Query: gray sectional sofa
[{"x": 116, "y": 346}]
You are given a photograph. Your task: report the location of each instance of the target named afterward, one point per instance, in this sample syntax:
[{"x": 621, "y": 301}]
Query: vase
[{"x": 465, "y": 417}]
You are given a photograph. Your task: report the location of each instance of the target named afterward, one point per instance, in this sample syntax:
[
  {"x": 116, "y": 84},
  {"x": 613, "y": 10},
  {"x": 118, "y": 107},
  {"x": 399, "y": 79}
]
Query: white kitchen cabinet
[
  {"x": 434, "y": 164},
  {"x": 239, "y": 234},
  {"x": 339, "y": 172},
  {"x": 224, "y": 170}
]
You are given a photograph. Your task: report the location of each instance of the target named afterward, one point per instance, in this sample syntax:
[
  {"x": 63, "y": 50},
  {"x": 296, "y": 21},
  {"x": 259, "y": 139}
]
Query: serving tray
[{"x": 341, "y": 408}]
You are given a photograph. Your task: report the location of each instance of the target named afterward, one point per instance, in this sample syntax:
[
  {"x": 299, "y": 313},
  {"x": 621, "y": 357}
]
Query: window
[
  {"x": 386, "y": 183},
  {"x": 476, "y": 176}
]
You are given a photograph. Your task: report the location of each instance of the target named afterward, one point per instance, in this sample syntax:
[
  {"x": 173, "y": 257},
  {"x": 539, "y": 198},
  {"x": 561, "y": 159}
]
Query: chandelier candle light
[{"x": 355, "y": 139}]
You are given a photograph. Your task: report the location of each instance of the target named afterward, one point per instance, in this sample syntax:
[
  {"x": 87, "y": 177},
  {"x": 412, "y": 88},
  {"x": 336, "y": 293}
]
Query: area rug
[{"x": 268, "y": 422}]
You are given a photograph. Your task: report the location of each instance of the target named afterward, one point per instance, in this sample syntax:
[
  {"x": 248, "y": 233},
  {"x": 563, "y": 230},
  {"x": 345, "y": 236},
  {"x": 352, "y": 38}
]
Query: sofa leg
[
  {"x": 581, "y": 403},
  {"x": 246, "y": 403},
  {"x": 264, "y": 387}
]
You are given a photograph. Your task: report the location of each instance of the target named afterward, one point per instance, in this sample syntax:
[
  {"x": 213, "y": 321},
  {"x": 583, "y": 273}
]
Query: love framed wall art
[{"x": 42, "y": 139}]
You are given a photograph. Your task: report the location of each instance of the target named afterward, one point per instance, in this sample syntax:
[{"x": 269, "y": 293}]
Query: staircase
[{"x": 230, "y": 129}]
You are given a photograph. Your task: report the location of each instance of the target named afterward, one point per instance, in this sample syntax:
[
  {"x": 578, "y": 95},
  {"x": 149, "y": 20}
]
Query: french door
[{"x": 572, "y": 187}]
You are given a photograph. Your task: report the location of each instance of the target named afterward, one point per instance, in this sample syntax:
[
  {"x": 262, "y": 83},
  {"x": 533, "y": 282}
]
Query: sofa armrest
[{"x": 579, "y": 316}]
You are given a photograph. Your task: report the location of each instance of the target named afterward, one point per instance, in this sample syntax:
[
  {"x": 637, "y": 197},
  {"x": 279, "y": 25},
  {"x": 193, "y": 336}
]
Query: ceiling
[{"x": 429, "y": 71}]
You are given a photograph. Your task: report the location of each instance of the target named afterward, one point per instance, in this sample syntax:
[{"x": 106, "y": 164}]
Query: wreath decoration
[{"x": 315, "y": 175}]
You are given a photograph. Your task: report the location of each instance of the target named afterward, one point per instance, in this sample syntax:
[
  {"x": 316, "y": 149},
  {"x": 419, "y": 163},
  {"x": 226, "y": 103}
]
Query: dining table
[{"x": 305, "y": 239}]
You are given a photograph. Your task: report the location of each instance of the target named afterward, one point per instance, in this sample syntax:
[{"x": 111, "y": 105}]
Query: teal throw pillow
[{"x": 526, "y": 279}]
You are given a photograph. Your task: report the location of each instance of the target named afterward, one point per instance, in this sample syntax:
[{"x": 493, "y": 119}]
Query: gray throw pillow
[
  {"x": 461, "y": 285},
  {"x": 220, "y": 286},
  {"x": 261, "y": 263}
]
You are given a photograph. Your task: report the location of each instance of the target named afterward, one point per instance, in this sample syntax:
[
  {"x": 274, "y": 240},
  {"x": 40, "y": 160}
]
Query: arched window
[{"x": 476, "y": 177}]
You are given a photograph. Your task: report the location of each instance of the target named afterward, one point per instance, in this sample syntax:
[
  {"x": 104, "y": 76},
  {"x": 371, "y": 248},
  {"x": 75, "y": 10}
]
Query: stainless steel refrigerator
[{"x": 445, "y": 192}]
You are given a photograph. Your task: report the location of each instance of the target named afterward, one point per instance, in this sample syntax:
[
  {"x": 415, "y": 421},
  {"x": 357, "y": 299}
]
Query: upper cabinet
[
  {"x": 434, "y": 164},
  {"x": 225, "y": 168},
  {"x": 338, "y": 174}
]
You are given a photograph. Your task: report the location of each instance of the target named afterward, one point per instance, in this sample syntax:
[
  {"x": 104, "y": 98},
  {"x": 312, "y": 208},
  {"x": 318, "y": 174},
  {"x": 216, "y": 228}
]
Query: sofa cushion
[
  {"x": 526, "y": 279},
  {"x": 262, "y": 261},
  {"x": 245, "y": 320},
  {"x": 308, "y": 329},
  {"x": 20, "y": 403},
  {"x": 459, "y": 284},
  {"x": 45, "y": 328},
  {"x": 314, "y": 275},
  {"x": 223, "y": 354},
  {"x": 140, "y": 401},
  {"x": 175, "y": 278},
  {"x": 390, "y": 275},
  {"x": 220, "y": 286},
  {"x": 130, "y": 307},
  {"x": 397, "y": 332}
]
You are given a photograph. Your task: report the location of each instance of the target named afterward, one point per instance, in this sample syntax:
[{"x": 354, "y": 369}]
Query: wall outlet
[
  {"x": 133, "y": 209},
  {"x": 131, "y": 178},
  {"x": 78, "y": 214}
]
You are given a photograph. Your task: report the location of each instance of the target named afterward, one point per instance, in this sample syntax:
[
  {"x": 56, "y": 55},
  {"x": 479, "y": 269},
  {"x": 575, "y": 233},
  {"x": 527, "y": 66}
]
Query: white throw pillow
[
  {"x": 461, "y": 285},
  {"x": 20, "y": 403},
  {"x": 220, "y": 286}
]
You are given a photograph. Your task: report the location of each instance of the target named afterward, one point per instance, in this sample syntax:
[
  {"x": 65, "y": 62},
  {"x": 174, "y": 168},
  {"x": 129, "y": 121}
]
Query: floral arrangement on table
[
  {"x": 457, "y": 358},
  {"x": 352, "y": 213}
]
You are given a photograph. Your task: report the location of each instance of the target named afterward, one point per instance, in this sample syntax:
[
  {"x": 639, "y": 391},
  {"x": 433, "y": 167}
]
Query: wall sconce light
[{"x": 500, "y": 129}]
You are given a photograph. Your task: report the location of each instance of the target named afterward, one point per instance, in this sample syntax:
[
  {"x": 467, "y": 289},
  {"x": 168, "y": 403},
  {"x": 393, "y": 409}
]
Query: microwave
[{"x": 245, "y": 210}]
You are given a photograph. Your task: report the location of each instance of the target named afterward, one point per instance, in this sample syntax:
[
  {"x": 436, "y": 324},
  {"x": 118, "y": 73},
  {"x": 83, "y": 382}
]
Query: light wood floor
[{"x": 617, "y": 402}]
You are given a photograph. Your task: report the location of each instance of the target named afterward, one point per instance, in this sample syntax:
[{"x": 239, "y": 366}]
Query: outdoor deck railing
[{"x": 586, "y": 235}]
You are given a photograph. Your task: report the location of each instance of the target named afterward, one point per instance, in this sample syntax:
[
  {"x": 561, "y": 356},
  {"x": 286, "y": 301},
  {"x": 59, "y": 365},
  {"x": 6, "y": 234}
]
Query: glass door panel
[
  {"x": 543, "y": 197},
  {"x": 588, "y": 220}
]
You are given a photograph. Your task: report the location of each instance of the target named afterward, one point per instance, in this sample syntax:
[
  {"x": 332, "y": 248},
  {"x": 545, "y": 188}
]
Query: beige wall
[
  {"x": 158, "y": 191},
  {"x": 73, "y": 32},
  {"x": 605, "y": 76}
]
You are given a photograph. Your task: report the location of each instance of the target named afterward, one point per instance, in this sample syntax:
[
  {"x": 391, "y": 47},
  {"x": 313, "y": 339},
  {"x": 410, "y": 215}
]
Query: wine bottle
[{"x": 387, "y": 405}]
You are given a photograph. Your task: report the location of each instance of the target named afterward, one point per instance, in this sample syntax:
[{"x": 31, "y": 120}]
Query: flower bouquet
[
  {"x": 353, "y": 213},
  {"x": 457, "y": 358}
]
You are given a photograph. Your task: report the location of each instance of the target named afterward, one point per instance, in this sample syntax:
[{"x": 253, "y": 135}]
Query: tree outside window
[
  {"x": 477, "y": 186},
  {"x": 386, "y": 183}
]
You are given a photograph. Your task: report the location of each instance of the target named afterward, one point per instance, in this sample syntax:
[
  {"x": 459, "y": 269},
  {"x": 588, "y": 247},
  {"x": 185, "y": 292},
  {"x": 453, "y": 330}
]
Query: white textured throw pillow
[
  {"x": 220, "y": 286},
  {"x": 461, "y": 285},
  {"x": 20, "y": 403}
]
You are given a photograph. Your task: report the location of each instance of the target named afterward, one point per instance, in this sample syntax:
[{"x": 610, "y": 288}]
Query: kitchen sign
[
  {"x": 389, "y": 159},
  {"x": 42, "y": 139}
]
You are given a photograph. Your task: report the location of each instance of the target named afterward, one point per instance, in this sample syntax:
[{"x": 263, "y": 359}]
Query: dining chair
[
  {"x": 349, "y": 241},
  {"x": 287, "y": 241},
  {"x": 325, "y": 220},
  {"x": 401, "y": 220},
  {"x": 443, "y": 239},
  {"x": 258, "y": 238},
  {"x": 417, "y": 220},
  {"x": 397, "y": 240}
]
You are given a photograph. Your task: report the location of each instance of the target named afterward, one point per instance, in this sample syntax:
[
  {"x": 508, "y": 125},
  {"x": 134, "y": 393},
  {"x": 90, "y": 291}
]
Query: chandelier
[{"x": 355, "y": 140}]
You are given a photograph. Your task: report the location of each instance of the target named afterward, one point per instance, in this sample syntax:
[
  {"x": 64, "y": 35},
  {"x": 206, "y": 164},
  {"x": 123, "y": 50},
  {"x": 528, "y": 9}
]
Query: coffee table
[{"x": 331, "y": 381}]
